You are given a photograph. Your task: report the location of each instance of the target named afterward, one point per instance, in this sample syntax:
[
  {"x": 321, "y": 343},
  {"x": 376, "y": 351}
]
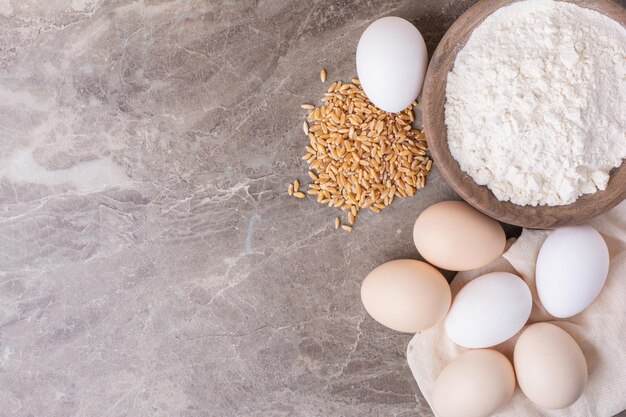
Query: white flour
[{"x": 536, "y": 102}]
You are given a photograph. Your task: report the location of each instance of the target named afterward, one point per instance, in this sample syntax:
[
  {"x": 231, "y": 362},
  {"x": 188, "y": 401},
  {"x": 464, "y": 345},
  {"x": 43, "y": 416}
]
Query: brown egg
[
  {"x": 406, "y": 295},
  {"x": 550, "y": 366},
  {"x": 455, "y": 236},
  {"x": 476, "y": 384}
]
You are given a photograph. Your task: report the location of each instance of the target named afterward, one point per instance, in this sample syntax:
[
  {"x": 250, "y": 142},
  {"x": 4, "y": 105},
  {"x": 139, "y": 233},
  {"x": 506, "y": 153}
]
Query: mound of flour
[{"x": 536, "y": 102}]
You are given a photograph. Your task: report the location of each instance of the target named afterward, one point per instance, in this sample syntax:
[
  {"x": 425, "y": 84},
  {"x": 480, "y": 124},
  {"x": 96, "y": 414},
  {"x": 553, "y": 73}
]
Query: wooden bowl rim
[{"x": 480, "y": 197}]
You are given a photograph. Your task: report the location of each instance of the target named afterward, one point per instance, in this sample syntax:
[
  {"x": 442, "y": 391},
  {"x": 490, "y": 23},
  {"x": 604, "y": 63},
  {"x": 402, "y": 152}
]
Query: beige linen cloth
[{"x": 600, "y": 330}]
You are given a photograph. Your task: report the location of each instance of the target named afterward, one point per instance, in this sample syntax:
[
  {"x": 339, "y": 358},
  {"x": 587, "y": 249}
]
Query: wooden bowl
[{"x": 434, "y": 97}]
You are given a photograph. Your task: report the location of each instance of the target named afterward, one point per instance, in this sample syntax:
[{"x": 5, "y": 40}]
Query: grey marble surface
[{"x": 151, "y": 262}]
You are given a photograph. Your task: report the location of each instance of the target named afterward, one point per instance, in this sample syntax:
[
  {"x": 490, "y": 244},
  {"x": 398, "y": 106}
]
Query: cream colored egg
[
  {"x": 455, "y": 236},
  {"x": 476, "y": 384},
  {"x": 550, "y": 366},
  {"x": 406, "y": 295}
]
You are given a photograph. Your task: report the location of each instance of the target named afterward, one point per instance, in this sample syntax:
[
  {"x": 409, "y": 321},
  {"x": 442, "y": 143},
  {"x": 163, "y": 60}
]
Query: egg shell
[
  {"x": 406, "y": 295},
  {"x": 476, "y": 384},
  {"x": 455, "y": 236},
  {"x": 572, "y": 267},
  {"x": 550, "y": 366},
  {"x": 391, "y": 61},
  {"x": 489, "y": 310}
]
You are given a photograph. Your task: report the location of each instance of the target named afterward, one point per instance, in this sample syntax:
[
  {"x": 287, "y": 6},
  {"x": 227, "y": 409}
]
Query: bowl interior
[{"x": 434, "y": 96}]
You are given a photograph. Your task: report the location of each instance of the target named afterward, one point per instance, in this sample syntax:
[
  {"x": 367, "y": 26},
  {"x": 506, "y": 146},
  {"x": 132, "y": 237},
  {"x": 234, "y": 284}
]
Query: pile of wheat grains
[{"x": 360, "y": 156}]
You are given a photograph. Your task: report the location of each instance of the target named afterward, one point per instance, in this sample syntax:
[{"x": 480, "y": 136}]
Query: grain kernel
[{"x": 323, "y": 75}]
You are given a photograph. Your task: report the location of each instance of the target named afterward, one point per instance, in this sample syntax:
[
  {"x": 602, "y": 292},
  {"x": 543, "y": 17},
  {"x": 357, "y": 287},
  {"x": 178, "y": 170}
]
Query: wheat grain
[{"x": 360, "y": 156}]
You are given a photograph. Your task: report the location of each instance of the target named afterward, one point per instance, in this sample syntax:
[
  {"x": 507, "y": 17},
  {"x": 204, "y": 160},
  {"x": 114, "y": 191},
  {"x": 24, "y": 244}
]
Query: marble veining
[{"x": 151, "y": 262}]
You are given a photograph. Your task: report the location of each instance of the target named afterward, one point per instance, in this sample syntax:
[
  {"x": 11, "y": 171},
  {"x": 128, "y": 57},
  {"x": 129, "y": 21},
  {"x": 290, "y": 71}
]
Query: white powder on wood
[{"x": 536, "y": 102}]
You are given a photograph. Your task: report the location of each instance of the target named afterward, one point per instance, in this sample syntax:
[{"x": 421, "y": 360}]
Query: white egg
[
  {"x": 571, "y": 270},
  {"x": 391, "y": 61},
  {"x": 489, "y": 310}
]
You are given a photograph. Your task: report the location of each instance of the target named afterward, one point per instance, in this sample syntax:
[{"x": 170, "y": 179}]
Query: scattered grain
[
  {"x": 296, "y": 186},
  {"x": 298, "y": 194},
  {"x": 360, "y": 156},
  {"x": 305, "y": 127},
  {"x": 346, "y": 227},
  {"x": 290, "y": 189},
  {"x": 337, "y": 222}
]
